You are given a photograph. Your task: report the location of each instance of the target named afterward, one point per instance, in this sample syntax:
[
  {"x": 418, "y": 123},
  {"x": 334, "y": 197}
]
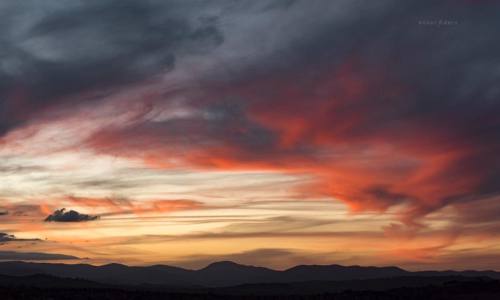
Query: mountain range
[{"x": 221, "y": 274}]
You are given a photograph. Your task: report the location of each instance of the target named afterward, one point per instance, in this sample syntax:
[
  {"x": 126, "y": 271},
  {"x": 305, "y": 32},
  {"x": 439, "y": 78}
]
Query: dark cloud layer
[
  {"x": 62, "y": 215},
  {"x": 14, "y": 255},
  {"x": 52, "y": 50}
]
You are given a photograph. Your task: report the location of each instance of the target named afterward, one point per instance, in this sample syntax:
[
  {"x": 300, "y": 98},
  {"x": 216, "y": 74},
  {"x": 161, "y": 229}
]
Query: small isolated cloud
[
  {"x": 62, "y": 215},
  {"x": 4, "y": 213},
  {"x": 5, "y": 237},
  {"x": 13, "y": 255}
]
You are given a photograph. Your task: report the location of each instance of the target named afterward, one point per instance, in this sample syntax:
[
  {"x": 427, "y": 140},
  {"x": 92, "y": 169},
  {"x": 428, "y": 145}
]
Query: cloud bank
[{"x": 13, "y": 255}]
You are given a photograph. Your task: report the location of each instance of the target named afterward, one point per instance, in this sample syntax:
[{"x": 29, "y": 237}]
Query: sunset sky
[{"x": 269, "y": 133}]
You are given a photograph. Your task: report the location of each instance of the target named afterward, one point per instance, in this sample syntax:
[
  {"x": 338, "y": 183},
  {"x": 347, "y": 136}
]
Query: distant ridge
[
  {"x": 47, "y": 281},
  {"x": 219, "y": 274}
]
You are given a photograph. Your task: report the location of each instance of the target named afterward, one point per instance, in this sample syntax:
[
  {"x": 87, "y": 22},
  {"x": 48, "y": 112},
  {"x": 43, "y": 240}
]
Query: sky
[{"x": 271, "y": 132}]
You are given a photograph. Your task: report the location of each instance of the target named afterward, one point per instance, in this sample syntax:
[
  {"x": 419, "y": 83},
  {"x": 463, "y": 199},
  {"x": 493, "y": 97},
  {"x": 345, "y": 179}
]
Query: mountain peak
[
  {"x": 224, "y": 265},
  {"x": 115, "y": 265}
]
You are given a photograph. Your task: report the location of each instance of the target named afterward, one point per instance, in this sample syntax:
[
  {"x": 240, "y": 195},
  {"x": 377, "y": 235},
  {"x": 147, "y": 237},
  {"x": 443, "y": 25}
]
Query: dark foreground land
[
  {"x": 44, "y": 288},
  {"x": 228, "y": 280}
]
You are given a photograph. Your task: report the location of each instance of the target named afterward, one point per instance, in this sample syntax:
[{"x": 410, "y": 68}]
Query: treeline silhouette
[{"x": 456, "y": 290}]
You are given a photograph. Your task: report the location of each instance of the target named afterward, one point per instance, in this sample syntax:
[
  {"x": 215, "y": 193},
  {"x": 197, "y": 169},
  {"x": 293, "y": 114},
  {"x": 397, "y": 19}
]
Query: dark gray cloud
[
  {"x": 14, "y": 255},
  {"x": 3, "y": 212},
  {"x": 223, "y": 124},
  {"x": 4, "y": 237},
  {"x": 50, "y": 50},
  {"x": 62, "y": 215}
]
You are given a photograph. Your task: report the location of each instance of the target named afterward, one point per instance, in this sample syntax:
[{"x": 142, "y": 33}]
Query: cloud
[
  {"x": 383, "y": 113},
  {"x": 51, "y": 51},
  {"x": 4, "y": 213},
  {"x": 481, "y": 212},
  {"x": 5, "y": 237},
  {"x": 61, "y": 215},
  {"x": 14, "y": 255},
  {"x": 379, "y": 111}
]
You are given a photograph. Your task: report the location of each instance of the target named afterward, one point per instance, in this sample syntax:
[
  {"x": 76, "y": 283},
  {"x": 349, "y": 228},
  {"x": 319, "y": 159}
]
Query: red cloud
[{"x": 355, "y": 127}]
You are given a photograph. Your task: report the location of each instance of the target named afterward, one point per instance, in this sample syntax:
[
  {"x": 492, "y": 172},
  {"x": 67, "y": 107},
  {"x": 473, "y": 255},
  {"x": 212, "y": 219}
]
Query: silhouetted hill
[
  {"x": 338, "y": 272},
  {"x": 219, "y": 274},
  {"x": 228, "y": 273},
  {"x": 110, "y": 273},
  {"x": 46, "y": 281},
  {"x": 321, "y": 287}
]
